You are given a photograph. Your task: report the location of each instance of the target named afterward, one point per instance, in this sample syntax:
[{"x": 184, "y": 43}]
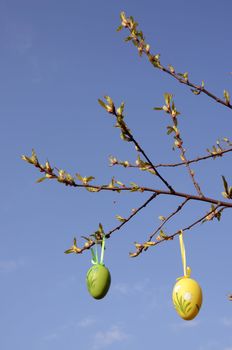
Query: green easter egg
[{"x": 98, "y": 281}]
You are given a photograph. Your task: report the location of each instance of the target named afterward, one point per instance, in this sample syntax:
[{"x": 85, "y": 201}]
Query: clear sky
[{"x": 57, "y": 58}]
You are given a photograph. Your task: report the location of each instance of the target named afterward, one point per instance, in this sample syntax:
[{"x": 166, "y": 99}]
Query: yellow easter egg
[{"x": 187, "y": 298}]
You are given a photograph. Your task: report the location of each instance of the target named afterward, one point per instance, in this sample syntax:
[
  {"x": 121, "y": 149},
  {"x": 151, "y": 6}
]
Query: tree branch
[
  {"x": 68, "y": 180},
  {"x": 132, "y": 215},
  {"x": 168, "y": 218},
  {"x": 127, "y": 132},
  {"x": 138, "y": 40},
  {"x": 170, "y": 109},
  {"x": 90, "y": 243},
  {"x": 199, "y": 88},
  {"x": 126, "y": 164},
  {"x": 144, "y": 246}
]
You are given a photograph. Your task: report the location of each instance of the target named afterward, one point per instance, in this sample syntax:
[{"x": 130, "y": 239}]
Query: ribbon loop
[
  {"x": 95, "y": 259},
  {"x": 187, "y": 269},
  {"x": 103, "y": 249}
]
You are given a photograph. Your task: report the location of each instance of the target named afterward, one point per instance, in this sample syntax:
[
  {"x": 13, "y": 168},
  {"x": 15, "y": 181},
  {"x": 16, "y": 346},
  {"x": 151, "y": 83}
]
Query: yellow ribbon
[{"x": 187, "y": 270}]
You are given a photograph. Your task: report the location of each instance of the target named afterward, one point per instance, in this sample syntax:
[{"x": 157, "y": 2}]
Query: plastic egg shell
[
  {"x": 187, "y": 298},
  {"x": 98, "y": 281}
]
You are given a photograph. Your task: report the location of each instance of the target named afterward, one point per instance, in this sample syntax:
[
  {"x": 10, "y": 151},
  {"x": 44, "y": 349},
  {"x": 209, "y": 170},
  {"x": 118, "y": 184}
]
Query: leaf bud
[
  {"x": 165, "y": 108},
  {"x": 178, "y": 143},
  {"x": 147, "y": 48}
]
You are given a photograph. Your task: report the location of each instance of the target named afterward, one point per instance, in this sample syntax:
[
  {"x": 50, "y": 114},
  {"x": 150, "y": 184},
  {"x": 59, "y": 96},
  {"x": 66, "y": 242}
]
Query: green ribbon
[{"x": 95, "y": 259}]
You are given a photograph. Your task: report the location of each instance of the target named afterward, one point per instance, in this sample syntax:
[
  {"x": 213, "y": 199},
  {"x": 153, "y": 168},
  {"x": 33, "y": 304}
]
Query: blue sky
[{"x": 57, "y": 58}]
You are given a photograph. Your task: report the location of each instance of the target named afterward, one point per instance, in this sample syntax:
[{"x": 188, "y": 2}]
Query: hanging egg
[
  {"x": 98, "y": 281},
  {"x": 187, "y": 298}
]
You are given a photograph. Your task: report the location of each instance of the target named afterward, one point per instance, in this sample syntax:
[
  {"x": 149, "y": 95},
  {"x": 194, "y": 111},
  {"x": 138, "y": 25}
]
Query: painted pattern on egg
[{"x": 187, "y": 298}]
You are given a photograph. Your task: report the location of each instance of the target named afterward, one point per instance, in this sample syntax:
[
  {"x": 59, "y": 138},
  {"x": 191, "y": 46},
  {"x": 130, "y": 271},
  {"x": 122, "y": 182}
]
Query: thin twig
[
  {"x": 190, "y": 171},
  {"x": 194, "y": 223},
  {"x": 171, "y": 237},
  {"x": 132, "y": 215},
  {"x": 167, "y": 219},
  {"x": 117, "y": 228},
  {"x": 219, "y": 154},
  {"x": 197, "y": 87},
  {"x": 139, "y": 41},
  {"x": 171, "y": 110},
  {"x": 140, "y": 149},
  {"x": 173, "y": 165}
]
